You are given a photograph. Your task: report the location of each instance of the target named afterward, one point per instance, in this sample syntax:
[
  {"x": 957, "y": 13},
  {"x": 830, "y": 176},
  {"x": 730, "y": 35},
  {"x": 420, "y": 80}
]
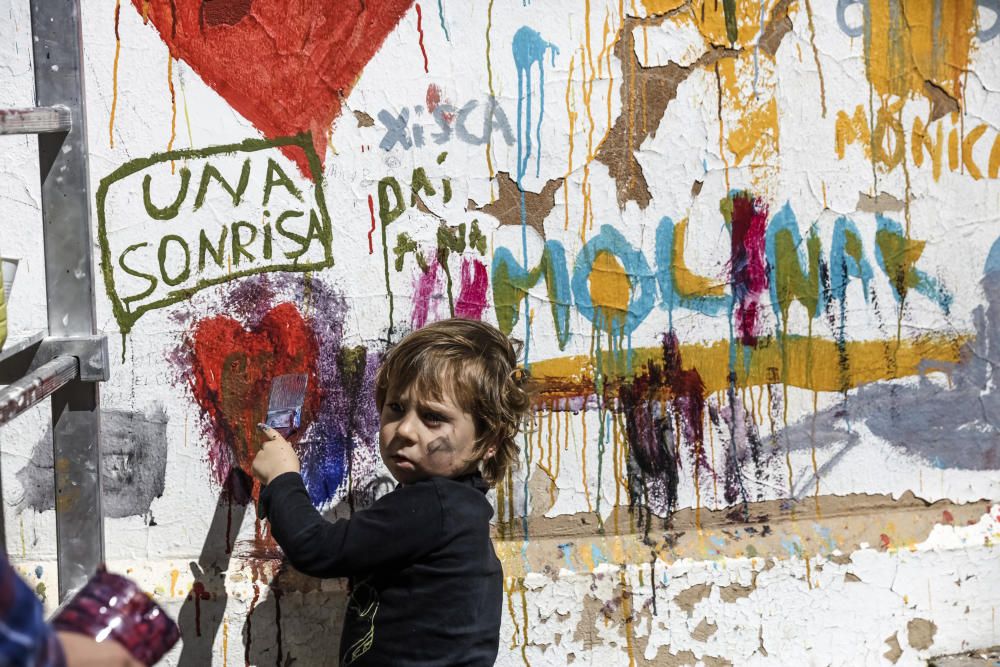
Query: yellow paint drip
[
  {"x": 628, "y": 617},
  {"x": 114, "y": 76},
  {"x": 904, "y": 48},
  {"x": 173, "y": 106},
  {"x": 173, "y": 582},
  {"x": 489, "y": 75},
  {"x": 819, "y": 68},
  {"x": 571, "y": 119}
]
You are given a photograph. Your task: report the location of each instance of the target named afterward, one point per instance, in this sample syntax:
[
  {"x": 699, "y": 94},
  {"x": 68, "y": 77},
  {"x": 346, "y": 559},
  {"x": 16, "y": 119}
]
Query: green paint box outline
[{"x": 127, "y": 318}]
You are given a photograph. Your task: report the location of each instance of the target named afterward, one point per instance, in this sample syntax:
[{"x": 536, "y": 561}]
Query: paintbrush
[{"x": 284, "y": 409}]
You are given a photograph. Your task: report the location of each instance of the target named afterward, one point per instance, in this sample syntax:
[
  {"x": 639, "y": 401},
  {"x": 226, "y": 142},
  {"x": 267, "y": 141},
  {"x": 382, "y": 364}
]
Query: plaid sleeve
[{"x": 26, "y": 640}]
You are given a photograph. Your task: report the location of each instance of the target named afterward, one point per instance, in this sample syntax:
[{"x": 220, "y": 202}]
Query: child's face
[{"x": 420, "y": 438}]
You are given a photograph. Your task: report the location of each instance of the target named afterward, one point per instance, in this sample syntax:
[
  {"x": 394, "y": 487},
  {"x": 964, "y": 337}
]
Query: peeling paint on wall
[{"x": 749, "y": 246}]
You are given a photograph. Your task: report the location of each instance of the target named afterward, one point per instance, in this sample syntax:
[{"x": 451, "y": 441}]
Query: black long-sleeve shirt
[{"x": 426, "y": 584}]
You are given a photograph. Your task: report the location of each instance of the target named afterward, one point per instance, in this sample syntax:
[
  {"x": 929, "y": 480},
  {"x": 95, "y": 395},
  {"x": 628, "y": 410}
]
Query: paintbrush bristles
[
  {"x": 288, "y": 391},
  {"x": 284, "y": 410}
]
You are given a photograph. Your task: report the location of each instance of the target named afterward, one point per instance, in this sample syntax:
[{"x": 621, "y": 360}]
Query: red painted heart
[
  {"x": 231, "y": 378},
  {"x": 285, "y": 65}
]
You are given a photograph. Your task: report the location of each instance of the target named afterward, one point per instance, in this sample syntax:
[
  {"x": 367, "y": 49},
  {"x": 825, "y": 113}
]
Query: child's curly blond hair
[{"x": 475, "y": 365}]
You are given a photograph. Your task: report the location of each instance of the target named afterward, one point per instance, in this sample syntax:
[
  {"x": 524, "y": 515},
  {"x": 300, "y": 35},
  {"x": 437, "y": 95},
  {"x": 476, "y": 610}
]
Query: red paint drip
[
  {"x": 884, "y": 539},
  {"x": 423, "y": 292},
  {"x": 198, "y": 593},
  {"x": 276, "y": 594},
  {"x": 472, "y": 294},
  {"x": 420, "y": 29},
  {"x": 748, "y": 262},
  {"x": 371, "y": 210},
  {"x": 948, "y": 518},
  {"x": 249, "y": 635}
]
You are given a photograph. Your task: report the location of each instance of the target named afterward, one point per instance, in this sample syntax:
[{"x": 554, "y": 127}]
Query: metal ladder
[{"x": 68, "y": 360}]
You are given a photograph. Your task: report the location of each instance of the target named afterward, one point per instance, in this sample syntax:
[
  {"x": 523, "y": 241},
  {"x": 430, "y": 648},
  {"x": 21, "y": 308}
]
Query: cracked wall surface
[{"x": 751, "y": 248}]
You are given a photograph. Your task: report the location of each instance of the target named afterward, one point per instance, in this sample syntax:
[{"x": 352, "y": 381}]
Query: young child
[{"x": 426, "y": 585}]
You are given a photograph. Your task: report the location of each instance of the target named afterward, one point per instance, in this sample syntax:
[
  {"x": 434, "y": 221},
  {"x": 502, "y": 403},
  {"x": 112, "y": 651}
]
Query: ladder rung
[
  {"x": 41, "y": 383},
  {"x": 35, "y": 120}
]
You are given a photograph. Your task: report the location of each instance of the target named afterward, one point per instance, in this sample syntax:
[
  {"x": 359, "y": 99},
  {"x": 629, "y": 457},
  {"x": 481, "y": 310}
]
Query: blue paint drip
[
  {"x": 843, "y": 267},
  {"x": 793, "y": 545},
  {"x": 756, "y": 50},
  {"x": 528, "y": 48},
  {"x": 324, "y": 465},
  {"x": 596, "y": 555},
  {"x": 567, "y": 551},
  {"x": 441, "y": 16}
]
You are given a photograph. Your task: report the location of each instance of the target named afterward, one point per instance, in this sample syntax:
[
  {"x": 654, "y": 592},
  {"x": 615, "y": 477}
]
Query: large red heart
[
  {"x": 232, "y": 370},
  {"x": 285, "y": 65}
]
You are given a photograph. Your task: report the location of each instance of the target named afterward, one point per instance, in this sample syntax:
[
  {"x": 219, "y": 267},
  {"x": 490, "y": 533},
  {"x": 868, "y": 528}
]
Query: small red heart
[
  {"x": 232, "y": 373},
  {"x": 285, "y": 65}
]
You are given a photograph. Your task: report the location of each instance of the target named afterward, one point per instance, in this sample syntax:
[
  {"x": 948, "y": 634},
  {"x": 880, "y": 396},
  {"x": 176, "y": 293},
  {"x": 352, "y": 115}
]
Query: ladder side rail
[
  {"x": 69, "y": 285},
  {"x": 35, "y": 120},
  {"x": 28, "y": 391}
]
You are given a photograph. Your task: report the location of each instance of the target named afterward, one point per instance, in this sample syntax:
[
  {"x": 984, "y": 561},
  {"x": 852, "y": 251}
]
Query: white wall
[{"x": 800, "y": 492}]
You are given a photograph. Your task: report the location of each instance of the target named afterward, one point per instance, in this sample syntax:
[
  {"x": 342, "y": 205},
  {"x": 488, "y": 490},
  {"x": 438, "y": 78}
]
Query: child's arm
[{"x": 399, "y": 528}]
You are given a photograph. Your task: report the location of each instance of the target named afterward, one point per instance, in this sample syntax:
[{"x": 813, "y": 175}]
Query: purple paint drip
[
  {"x": 475, "y": 285},
  {"x": 425, "y": 290},
  {"x": 748, "y": 263}
]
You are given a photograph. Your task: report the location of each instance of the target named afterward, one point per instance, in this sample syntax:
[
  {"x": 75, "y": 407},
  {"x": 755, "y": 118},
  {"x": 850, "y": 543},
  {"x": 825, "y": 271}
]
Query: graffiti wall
[{"x": 752, "y": 250}]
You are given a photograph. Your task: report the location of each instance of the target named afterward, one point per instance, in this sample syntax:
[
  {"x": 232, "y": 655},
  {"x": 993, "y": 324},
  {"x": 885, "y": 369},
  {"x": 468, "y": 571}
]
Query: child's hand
[{"x": 275, "y": 457}]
